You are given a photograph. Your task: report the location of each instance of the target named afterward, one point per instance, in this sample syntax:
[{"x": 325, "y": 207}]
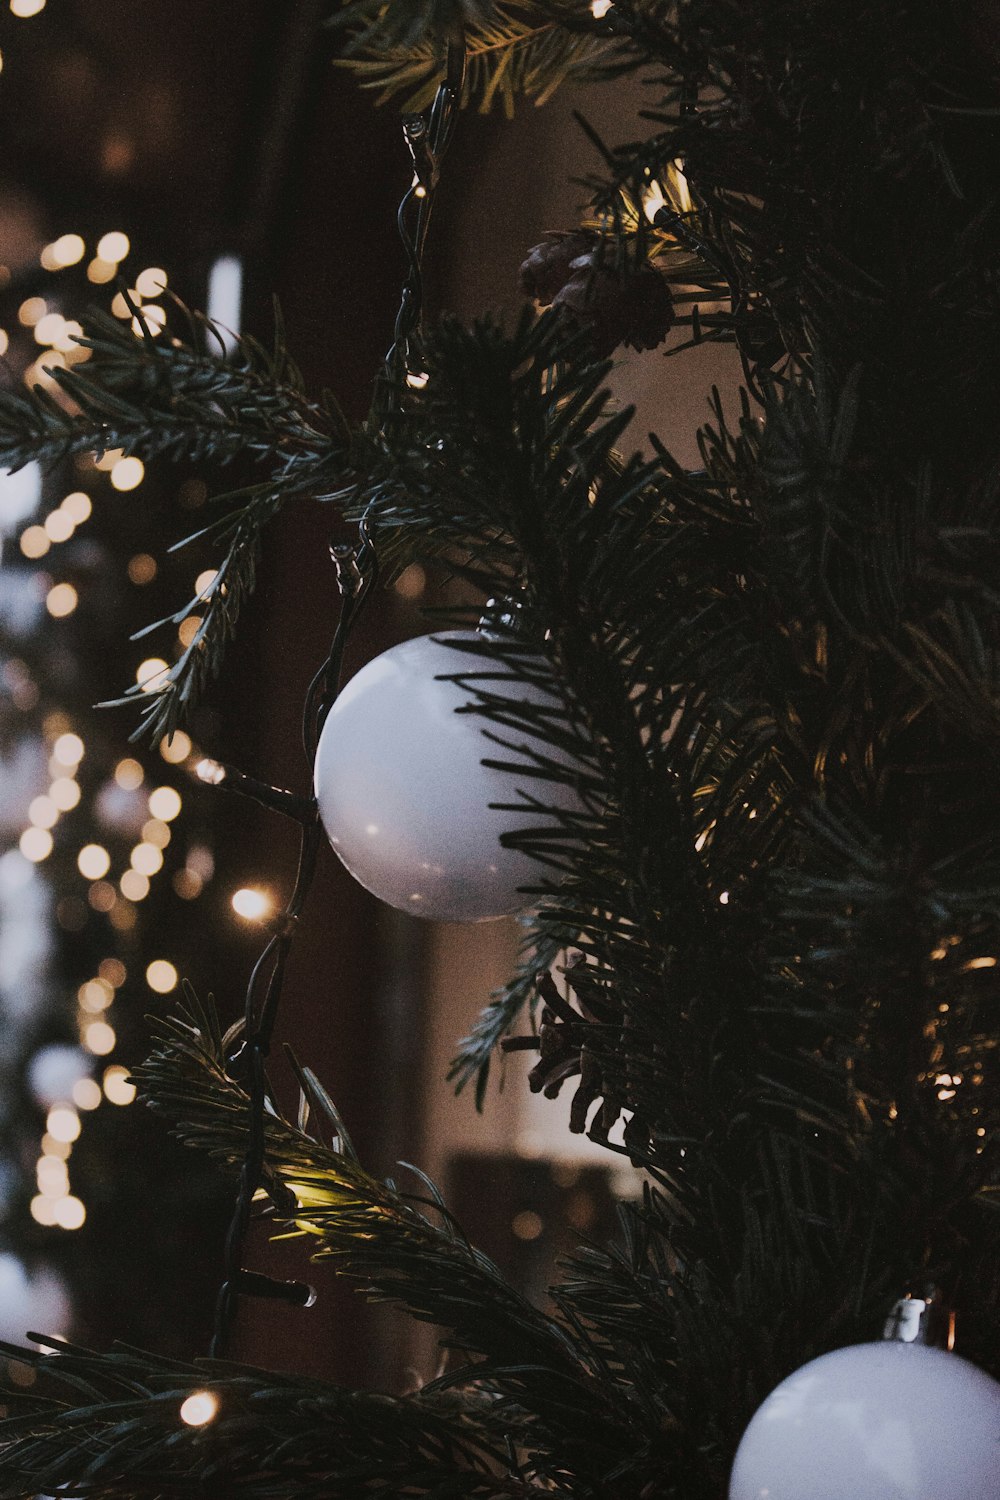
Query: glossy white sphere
[
  {"x": 885, "y": 1421},
  {"x": 404, "y": 796}
]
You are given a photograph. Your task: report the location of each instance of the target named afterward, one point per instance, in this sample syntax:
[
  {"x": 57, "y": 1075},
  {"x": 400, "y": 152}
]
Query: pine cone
[
  {"x": 631, "y": 307},
  {"x": 551, "y": 264}
]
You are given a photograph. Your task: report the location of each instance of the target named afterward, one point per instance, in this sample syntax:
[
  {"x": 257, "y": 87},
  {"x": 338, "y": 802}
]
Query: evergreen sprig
[{"x": 511, "y": 49}]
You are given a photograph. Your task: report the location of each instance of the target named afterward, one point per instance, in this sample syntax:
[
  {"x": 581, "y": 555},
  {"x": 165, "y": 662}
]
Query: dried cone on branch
[{"x": 629, "y": 306}]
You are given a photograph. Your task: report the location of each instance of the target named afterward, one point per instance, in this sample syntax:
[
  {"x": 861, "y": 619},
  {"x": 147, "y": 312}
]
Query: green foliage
[
  {"x": 514, "y": 49},
  {"x": 188, "y": 401}
]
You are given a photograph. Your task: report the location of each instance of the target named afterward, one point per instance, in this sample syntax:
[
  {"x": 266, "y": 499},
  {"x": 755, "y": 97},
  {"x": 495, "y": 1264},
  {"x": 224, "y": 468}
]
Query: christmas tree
[{"x": 745, "y": 718}]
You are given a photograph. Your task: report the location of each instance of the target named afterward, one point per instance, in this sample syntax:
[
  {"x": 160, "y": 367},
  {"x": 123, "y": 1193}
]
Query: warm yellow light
[
  {"x": 86, "y": 1093},
  {"x": 127, "y": 473},
  {"x": 113, "y": 246},
  {"x": 204, "y": 581},
  {"x": 199, "y": 1408},
  {"x": 150, "y": 674},
  {"x": 99, "y": 1038},
  {"x": 142, "y": 568},
  {"x": 100, "y": 271},
  {"x": 68, "y": 249},
  {"x": 49, "y": 327},
  {"x": 4, "y": 341},
  {"x": 113, "y": 972},
  {"x": 117, "y": 1085},
  {"x": 43, "y": 813},
  {"x": 129, "y": 774},
  {"x": 67, "y": 340},
  {"x": 417, "y": 379},
  {"x": 599, "y": 8},
  {"x": 146, "y": 858},
  {"x": 95, "y": 995},
  {"x": 188, "y": 629},
  {"x": 175, "y": 747},
  {"x": 77, "y": 506},
  {"x": 31, "y": 309},
  {"x": 52, "y": 1147},
  {"x": 165, "y": 803},
  {"x": 108, "y": 459},
  {"x": 69, "y": 1212},
  {"x": 156, "y": 832},
  {"x": 102, "y": 896},
  {"x": 59, "y": 527},
  {"x": 63, "y": 1123},
  {"x": 26, "y": 8},
  {"x": 61, "y": 600},
  {"x": 65, "y": 793},
  {"x": 152, "y": 320},
  {"x": 133, "y": 886},
  {"x": 34, "y": 542},
  {"x": 251, "y": 904},
  {"x": 210, "y": 771},
  {"x": 980, "y": 963},
  {"x": 161, "y": 976},
  {"x": 93, "y": 861},
  {"x": 42, "y": 1211},
  {"x": 151, "y": 282},
  {"x": 35, "y": 844},
  {"x": 52, "y": 1176},
  {"x": 68, "y": 750}
]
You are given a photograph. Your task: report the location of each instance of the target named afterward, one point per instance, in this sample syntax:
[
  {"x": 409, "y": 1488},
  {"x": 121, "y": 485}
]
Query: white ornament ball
[
  {"x": 881, "y": 1421},
  {"x": 54, "y": 1070},
  {"x": 404, "y": 796},
  {"x": 31, "y": 1301}
]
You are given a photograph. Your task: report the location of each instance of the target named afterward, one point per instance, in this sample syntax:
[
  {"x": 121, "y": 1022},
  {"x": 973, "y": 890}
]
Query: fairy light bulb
[
  {"x": 199, "y": 1408},
  {"x": 252, "y": 904}
]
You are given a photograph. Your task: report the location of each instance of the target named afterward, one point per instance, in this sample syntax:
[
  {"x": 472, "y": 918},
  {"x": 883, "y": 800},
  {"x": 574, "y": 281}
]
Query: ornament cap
[{"x": 924, "y": 1319}]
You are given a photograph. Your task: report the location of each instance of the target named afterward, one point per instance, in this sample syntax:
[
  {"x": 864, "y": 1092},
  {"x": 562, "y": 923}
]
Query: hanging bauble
[
  {"x": 880, "y": 1421},
  {"x": 404, "y": 796}
]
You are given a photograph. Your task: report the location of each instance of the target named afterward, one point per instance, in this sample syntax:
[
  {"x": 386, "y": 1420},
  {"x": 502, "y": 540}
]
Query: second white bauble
[
  {"x": 404, "y": 796},
  {"x": 880, "y": 1421}
]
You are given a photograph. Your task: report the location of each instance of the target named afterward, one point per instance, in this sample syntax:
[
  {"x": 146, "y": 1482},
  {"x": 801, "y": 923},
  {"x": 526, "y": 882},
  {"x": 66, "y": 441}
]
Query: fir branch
[
  {"x": 102, "y": 1425},
  {"x": 374, "y": 1233},
  {"x": 167, "y": 398},
  {"x": 511, "y": 49}
]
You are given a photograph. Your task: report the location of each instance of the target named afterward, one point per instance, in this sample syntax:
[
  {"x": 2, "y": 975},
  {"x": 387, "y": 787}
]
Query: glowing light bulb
[
  {"x": 134, "y": 886},
  {"x": 63, "y": 1123},
  {"x": 35, "y": 844},
  {"x": 59, "y": 526},
  {"x": 254, "y": 905},
  {"x": 99, "y": 1038},
  {"x": 65, "y": 793},
  {"x": 151, "y": 282},
  {"x": 175, "y": 747},
  {"x": 26, "y": 8},
  {"x": 77, "y": 506},
  {"x": 204, "y": 582},
  {"x": 93, "y": 861},
  {"x": 61, "y": 600},
  {"x": 95, "y": 995},
  {"x": 31, "y": 309},
  {"x": 113, "y": 246},
  {"x": 43, "y": 812},
  {"x": 151, "y": 673},
  {"x": 199, "y": 1408},
  {"x": 69, "y": 1212},
  {"x": 161, "y": 976},
  {"x": 86, "y": 1093},
  {"x": 117, "y": 1085},
  {"x": 128, "y": 473},
  {"x": 68, "y": 750},
  {"x": 129, "y": 774},
  {"x": 210, "y": 771},
  {"x": 34, "y": 542},
  {"x": 146, "y": 859},
  {"x": 165, "y": 803},
  {"x": 100, "y": 271}
]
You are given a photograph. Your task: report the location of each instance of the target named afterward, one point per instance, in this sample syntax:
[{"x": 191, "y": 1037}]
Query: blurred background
[{"x": 218, "y": 154}]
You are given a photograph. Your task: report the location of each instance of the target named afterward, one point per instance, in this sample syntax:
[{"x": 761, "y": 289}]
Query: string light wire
[{"x": 247, "y": 1043}]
